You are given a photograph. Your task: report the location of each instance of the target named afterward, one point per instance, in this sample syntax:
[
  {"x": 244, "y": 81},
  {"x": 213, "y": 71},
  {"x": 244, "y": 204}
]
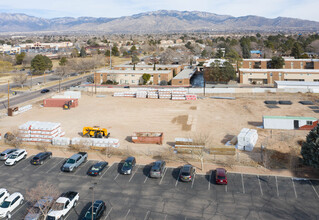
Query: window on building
[
  {"x": 126, "y": 81},
  {"x": 279, "y": 74},
  {"x": 249, "y": 65},
  {"x": 250, "y": 73},
  {"x": 316, "y": 80},
  {"x": 108, "y": 74},
  {"x": 309, "y": 122},
  {"x": 133, "y": 81},
  {"x": 159, "y": 76},
  {"x": 126, "y": 75},
  {"x": 292, "y": 65},
  {"x": 133, "y": 75},
  {"x": 270, "y": 74},
  {"x": 180, "y": 81},
  {"x": 301, "y": 65}
]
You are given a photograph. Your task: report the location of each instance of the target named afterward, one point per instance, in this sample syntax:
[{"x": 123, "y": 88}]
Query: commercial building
[
  {"x": 259, "y": 71},
  {"x": 132, "y": 77}
]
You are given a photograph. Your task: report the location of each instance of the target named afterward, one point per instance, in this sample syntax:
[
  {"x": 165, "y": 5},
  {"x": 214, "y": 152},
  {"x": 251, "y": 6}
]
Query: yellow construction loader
[{"x": 95, "y": 132}]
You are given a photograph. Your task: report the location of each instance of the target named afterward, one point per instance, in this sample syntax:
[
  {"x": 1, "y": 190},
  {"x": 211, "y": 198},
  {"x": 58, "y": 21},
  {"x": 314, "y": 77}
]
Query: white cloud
[{"x": 305, "y": 9}]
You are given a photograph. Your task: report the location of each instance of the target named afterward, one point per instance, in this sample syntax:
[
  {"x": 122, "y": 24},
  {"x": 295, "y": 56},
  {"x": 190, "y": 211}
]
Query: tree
[
  {"x": 221, "y": 72},
  {"x": 310, "y": 148},
  {"x": 296, "y": 50},
  {"x": 75, "y": 53},
  {"x": 40, "y": 63},
  {"x": 61, "y": 72},
  {"x": 133, "y": 49},
  {"x": 19, "y": 58},
  {"x": 246, "y": 51},
  {"x": 83, "y": 52},
  {"x": 146, "y": 77},
  {"x": 44, "y": 193},
  {"x": 63, "y": 61},
  {"x": 20, "y": 78},
  {"x": 135, "y": 60},
  {"x": 277, "y": 62},
  {"x": 115, "y": 51},
  {"x": 219, "y": 53},
  {"x": 5, "y": 66}
]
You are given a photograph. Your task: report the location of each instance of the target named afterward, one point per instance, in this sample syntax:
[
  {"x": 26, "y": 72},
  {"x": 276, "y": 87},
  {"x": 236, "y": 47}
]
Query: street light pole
[
  {"x": 8, "y": 95},
  {"x": 110, "y": 56}
]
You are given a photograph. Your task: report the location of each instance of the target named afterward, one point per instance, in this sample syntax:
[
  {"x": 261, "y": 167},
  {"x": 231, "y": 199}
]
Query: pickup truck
[
  {"x": 74, "y": 161},
  {"x": 63, "y": 205}
]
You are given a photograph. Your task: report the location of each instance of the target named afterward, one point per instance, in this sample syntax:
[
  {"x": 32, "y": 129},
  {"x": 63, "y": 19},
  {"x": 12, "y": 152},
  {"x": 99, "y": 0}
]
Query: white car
[
  {"x": 10, "y": 204},
  {"x": 16, "y": 157},
  {"x": 3, "y": 194}
]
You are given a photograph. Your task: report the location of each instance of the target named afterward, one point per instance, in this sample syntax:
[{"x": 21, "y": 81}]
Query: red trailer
[
  {"x": 148, "y": 137},
  {"x": 59, "y": 102}
]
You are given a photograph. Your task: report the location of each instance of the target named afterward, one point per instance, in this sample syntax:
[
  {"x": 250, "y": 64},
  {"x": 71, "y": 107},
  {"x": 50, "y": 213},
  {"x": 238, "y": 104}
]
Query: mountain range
[{"x": 162, "y": 21}]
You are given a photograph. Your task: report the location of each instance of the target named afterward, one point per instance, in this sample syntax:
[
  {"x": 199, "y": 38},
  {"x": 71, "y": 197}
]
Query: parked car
[
  {"x": 3, "y": 194},
  {"x": 157, "y": 170},
  {"x": 74, "y": 162},
  {"x": 128, "y": 165},
  {"x": 40, "y": 158},
  {"x": 187, "y": 173},
  {"x": 10, "y": 204},
  {"x": 35, "y": 212},
  {"x": 98, "y": 210},
  {"x": 221, "y": 177},
  {"x": 18, "y": 155},
  {"x": 5, "y": 154},
  {"x": 45, "y": 90},
  {"x": 97, "y": 168},
  {"x": 63, "y": 205}
]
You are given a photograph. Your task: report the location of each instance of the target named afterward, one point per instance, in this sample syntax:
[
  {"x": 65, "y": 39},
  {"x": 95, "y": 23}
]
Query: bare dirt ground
[{"x": 217, "y": 118}]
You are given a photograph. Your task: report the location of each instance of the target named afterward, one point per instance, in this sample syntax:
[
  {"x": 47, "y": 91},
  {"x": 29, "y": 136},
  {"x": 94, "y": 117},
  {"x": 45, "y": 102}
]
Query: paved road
[
  {"x": 35, "y": 81},
  {"x": 139, "y": 197},
  {"x": 23, "y": 97}
]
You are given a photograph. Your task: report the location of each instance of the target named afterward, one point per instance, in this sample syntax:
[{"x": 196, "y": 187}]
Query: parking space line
[
  {"x": 108, "y": 213},
  {"x": 226, "y": 188},
  {"x": 79, "y": 167},
  {"x": 242, "y": 181},
  {"x": 133, "y": 174},
  {"x": 165, "y": 217},
  {"x": 162, "y": 177},
  {"x": 116, "y": 176},
  {"x": 54, "y": 166},
  {"x": 148, "y": 212},
  {"x": 210, "y": 179},
  {"x": 193, "y": 181},
  {"x": 19, "y": 208},
  {"x": 277, "y": 186},
  {"x": 105, "y": 171},
  {"x": 177, "y": 178},
  {"x": 26, "y": 166},
  {"x": 293, "y": 184},
  {"x": 261, "y": 190},
  {"x": 314, "y": 189},
  {"x": 127, "y": 213},
  {"x": 146, "y": 178}
]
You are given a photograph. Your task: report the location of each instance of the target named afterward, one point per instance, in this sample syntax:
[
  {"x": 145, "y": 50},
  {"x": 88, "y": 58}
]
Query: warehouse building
[
  {"x": 176, "y": 69},
  {"x": 289, "y": 122},
  {"x": 184, "y": 77}
]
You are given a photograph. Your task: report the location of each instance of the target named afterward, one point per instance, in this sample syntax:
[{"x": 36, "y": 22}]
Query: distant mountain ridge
[{"x": 161, "y": 21}]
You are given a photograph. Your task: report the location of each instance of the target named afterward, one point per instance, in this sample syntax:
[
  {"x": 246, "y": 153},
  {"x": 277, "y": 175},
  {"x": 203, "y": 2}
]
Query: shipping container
[
  {"x": 148, "y": 137},
  {"x": 289, "y": 122},
  {"x": 59, "y": 102}
]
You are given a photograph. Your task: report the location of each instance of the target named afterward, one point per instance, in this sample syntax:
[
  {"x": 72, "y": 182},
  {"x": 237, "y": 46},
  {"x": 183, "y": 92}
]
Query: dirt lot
[{"x": 219, "y": 119}]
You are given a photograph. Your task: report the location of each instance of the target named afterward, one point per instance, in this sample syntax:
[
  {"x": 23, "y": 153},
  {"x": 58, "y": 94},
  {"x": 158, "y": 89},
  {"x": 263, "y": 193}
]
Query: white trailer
[{"x": 289, "y": 122}]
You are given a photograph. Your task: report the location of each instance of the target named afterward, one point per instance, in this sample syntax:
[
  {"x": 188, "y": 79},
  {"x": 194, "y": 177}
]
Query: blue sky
[{"x": 304, "y": 9}]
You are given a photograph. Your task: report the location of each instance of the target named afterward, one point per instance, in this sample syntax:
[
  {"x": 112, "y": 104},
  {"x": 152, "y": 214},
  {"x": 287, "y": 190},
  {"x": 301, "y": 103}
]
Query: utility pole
[
  {"x": 110, "y": 56},
  {"x": 8, "y": 95},
  {"x": 44, "y": 78},
  {"x": 31, "y": 79}
]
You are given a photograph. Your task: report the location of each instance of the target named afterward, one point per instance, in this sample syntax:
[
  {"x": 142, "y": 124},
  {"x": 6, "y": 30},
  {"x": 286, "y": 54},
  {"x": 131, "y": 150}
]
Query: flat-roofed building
[
  {"x": 132, "y": 77},
  {"x": 184, "y": 77},
  {"x": 175, "y": 68},
  {"x": 259, "y": 71}
]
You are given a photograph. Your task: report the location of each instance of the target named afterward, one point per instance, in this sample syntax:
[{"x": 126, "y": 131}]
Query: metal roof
[
  {"x": 150, "y": 66},
  {"x": 280, "y": 70},
  {"x": 291, "y": 117},
  {"x": 185, "y": 74}
]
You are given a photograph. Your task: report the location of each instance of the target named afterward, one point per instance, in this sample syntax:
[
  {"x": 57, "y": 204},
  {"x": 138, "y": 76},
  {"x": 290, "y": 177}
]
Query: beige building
[
  {"x": 176, "y": 69},
  {"x": 184, "y": 77},
  {"x": 132, "y": 77},
  {"x": 258, "y": 71}
]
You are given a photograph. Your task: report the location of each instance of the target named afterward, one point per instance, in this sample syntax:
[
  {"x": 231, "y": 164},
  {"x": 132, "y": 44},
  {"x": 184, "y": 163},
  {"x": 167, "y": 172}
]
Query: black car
[
  {"x": 45, "y": 90},
  {"x": 157, "y": 169},
  {"x": 187, "y": 173},
  {"x": 41, "y": 157},
  {"x": 97, "y": 168},
  {"x": 98, "y": 210},
  {"x": 128, "y": 165}
]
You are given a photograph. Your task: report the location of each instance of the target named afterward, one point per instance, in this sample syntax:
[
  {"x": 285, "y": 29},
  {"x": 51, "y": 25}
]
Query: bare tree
[
  {"x": 44, "y": 193},
  {"x": 13, "y": 138},
  {"x": 61, "y": 72},
  {"x": 201, "y": 142},
  {"x": 20, "y": 78},
  {"x": 27, "y": 60}
]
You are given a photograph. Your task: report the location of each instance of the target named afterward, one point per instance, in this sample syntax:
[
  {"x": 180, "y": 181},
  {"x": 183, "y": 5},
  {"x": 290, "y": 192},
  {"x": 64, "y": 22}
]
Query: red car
[{"x": 221, "y": 177}]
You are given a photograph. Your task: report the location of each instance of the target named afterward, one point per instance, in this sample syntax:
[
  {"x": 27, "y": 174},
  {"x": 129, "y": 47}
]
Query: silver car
[
  {"x": 5, "y": 154},
  {"x": 157, "y": 169}
]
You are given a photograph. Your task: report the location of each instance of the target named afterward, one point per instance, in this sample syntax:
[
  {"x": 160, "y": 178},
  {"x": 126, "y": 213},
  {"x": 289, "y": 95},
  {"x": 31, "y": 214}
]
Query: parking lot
[{"x": 137, "y": 196}]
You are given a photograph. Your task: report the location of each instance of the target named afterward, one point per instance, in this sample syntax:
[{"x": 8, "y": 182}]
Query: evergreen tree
[
  {"x": 83, "y": 52},
  {"x": 310, "y": 148}
]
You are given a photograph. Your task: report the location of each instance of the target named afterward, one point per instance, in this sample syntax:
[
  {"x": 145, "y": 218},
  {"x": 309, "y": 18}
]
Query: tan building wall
[
  {"x": 180, "y": 82},
  {"x": 289, "y": 64}
]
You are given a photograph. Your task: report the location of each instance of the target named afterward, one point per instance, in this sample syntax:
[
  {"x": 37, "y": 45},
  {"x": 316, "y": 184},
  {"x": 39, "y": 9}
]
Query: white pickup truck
[{"x": 63, "y": 205}]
